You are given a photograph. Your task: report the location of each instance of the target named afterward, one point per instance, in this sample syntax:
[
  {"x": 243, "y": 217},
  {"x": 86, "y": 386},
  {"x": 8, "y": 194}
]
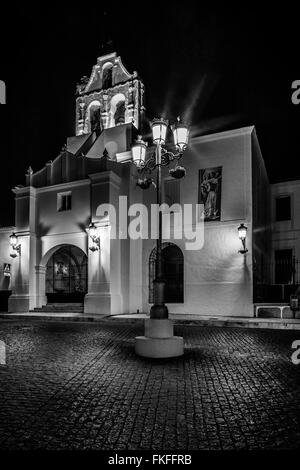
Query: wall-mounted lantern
[
  {"x": 242, "y": 231},
  {"x": 13, "y": 240},
  {"x": 95, "y": 237}
]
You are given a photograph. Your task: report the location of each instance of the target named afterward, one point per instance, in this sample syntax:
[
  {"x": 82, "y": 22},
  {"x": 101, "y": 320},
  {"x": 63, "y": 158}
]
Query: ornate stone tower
[{"x": 110, "y": 97}]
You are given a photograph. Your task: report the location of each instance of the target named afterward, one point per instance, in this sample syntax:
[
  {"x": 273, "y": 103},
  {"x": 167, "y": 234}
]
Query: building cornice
[
  {"x": 105, "y": 176},
  {"x": 7, "y": 229},
  {"x": 25, "y": 191},
  {"x": 63, "y": 186},
  {"x": 284, "y": 184},
  {"x": 222, "y": 135}
]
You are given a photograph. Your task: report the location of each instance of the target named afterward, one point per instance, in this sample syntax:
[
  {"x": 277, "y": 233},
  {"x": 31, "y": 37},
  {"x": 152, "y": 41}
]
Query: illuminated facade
[{"x": 59, "y": 261}]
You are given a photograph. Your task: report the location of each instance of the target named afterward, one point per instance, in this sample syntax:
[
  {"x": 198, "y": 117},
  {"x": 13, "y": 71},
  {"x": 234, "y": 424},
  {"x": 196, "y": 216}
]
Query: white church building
[{"x": 52, "y": 257}]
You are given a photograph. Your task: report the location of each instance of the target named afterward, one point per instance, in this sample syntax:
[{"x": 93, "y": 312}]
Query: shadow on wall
[
  {"x": 112, "y": 149},
  {"x": 43, "y": 229},
  {"x": 83, "y": 227},
  {"x": 246, "y": 271},
  {"x": 5, "y": 283}
]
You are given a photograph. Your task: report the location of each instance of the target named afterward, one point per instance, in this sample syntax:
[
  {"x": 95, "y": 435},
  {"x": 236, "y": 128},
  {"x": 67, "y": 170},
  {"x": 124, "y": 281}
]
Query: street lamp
[
  {"x": 13, "y": 240},
  {"x": 161, "y": 157},
  {"x": 242, "y": 231},
  {"x": 138, "y": 151},
  {"x": 94, "y": 236}
]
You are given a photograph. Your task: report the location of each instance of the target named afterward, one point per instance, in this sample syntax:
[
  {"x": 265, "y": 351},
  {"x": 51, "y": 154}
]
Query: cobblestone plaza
[{"x": 74, "y": 385}]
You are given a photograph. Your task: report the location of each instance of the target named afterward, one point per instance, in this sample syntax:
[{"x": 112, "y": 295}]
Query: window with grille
[{"x": 284, "y": 266}]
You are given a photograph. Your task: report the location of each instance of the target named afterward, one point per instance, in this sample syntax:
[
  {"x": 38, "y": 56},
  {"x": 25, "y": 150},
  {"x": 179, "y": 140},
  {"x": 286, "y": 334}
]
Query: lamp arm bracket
[
  {"x": 169, "y": 157},
  {"x": 149, "y": 165},
  {"x": 166, "y": 158}
]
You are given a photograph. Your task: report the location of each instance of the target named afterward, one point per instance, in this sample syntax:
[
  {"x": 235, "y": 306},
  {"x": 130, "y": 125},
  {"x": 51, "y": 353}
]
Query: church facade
[{"x": 56, "y": 258}]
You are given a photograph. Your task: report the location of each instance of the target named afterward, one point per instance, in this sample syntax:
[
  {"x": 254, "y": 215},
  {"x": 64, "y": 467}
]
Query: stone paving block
[{"x": 79, "y": 385}]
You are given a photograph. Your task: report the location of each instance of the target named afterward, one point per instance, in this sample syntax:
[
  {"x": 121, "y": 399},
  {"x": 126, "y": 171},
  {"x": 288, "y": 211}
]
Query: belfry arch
[
  {"x": 117, "y": 110},
  {"x": 94, "y": 117}
]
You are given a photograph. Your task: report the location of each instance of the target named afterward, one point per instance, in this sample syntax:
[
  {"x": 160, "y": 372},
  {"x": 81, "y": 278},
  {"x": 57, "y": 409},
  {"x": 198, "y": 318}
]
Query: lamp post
[
  {"x": 242, "y": 231},
  {"x": 161, "y": 157}
]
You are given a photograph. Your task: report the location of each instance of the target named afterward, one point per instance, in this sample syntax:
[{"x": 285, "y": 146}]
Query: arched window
[
  {"x": 173, "y": 272},
  {"x": 117, "y": 112},
  {"x": 94, "y": 117},
  {"x": 120, "y": 113},
  {"x": 107, "y": 77}
]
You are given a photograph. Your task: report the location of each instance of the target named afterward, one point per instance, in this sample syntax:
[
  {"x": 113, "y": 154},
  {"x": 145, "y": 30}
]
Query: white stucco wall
[{"x": 217, "y": 279}]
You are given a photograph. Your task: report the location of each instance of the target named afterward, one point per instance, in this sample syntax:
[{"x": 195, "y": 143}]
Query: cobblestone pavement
[{"x": 71, "y": 385}]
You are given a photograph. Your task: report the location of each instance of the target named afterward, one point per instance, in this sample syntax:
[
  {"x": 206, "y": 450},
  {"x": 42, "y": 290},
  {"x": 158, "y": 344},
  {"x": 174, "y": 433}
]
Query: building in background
[{"x": 56, "y": 261}]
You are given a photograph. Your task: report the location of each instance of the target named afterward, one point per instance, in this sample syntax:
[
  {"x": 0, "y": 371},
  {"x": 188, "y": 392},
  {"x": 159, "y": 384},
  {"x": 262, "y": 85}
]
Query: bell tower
[{"x": 110, "y": 97}]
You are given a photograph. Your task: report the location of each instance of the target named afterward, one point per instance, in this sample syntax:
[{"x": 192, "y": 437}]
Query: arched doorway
[
  {"x": 173, "y": 270},
  {"x": 66, "y": 275}
]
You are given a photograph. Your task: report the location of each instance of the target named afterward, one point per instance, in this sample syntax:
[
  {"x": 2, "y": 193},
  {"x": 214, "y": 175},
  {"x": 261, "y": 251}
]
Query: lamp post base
[
  {"x": 159, "y": 341},
  {"x": 159, "y": 312}
]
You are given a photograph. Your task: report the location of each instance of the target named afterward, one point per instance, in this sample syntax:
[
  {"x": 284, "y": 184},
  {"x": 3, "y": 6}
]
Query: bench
[{"x": 272, "y": 310}]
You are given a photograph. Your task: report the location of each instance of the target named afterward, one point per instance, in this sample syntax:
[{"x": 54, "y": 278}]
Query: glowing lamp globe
[
  {"x": 138, "y": 152},
  {"x": 13, "y": 239},
  {"x": 180, "y": 134},
  {"x": 242, "y": 231},
  {"x": 159, "y": 130}
]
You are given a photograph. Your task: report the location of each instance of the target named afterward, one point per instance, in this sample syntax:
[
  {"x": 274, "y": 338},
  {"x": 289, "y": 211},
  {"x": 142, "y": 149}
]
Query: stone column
[
  {"x": 24, "y": 292},
  {"x": 41, "y": 299},
  {"x": 104, "y": 112},
  {"x": 104, "y": 291},
  {"x": 100, "y": 299},
  {"x": 81, "y": 116}
]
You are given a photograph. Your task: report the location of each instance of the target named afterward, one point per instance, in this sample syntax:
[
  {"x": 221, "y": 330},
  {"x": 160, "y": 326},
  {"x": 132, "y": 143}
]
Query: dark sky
[{"x": 223, "y": 67}]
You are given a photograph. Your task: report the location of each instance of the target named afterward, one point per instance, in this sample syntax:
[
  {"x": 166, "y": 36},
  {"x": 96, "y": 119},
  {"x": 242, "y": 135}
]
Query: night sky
[{"x": 222, "y": 68}]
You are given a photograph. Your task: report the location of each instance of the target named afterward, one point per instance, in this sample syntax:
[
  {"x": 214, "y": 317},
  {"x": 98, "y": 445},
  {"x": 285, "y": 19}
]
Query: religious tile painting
[{"x": 210, "y": 185}]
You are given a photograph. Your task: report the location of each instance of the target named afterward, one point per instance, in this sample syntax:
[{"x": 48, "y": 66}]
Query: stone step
[
  {"x": 63, "y": 304},
  {"x": 39, "y": 310},
  {"x": 60, "y": 307}
]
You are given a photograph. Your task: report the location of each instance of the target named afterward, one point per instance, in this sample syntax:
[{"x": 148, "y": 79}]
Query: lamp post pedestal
[
  {"x": 159, "y": 310},
  {"x": 159, "y": 341}
]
